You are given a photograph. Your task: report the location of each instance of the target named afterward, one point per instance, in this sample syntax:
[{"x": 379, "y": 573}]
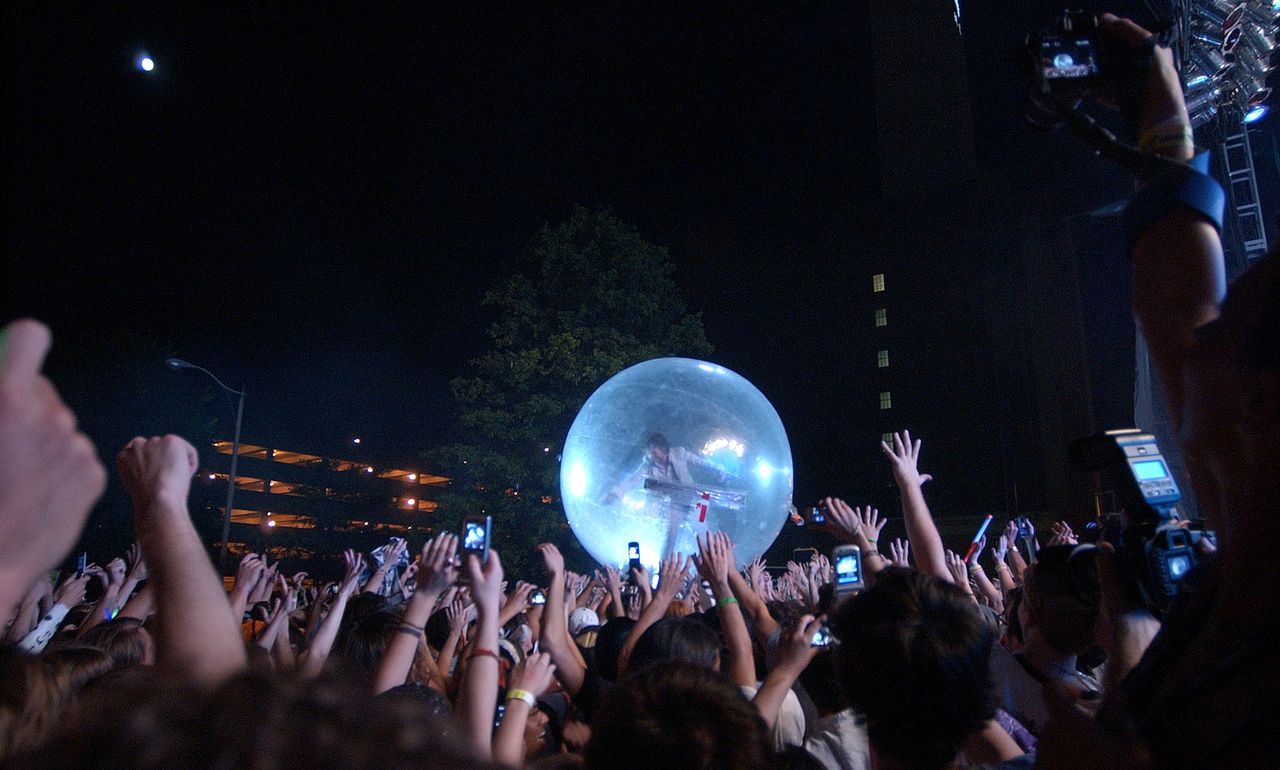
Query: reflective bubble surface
[{"x": 670, "y": 448}]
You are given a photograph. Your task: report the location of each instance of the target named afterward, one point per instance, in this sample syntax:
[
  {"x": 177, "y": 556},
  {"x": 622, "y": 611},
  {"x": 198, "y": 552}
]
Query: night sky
[{"x": 312, "y": 202}]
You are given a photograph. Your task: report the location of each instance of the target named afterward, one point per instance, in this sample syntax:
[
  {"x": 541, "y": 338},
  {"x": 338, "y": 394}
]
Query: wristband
[
  {"x": 405, "y": 628},
  {"x": 483, "y": 653},
  {"x": 726, "y": 600},
  {"x": 1194, "y": 189},
  {"x": 871, "y": 540},
  {"x": 524, "y": 695},
  {"x": 1000, "y": 565},
  {"x": 975, "y": 568}
]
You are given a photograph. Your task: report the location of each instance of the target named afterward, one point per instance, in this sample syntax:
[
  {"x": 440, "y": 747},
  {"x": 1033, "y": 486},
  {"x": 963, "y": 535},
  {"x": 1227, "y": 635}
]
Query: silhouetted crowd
[{"x": 1013, "y": 654}]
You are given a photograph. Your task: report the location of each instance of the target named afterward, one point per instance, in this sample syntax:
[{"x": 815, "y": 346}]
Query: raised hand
[
  {"x": 612, "y": 580},
  {"x": 250, "y": 571},
  {"x": 157, "y": 469},
  {"x": 459, "y": 616},
  {"x": 353, "y": 565},
  {"x": 137, "y": 563},
  {"x": 872, "y": 523},
  {"x": 1001, "y": 549},
  {"x": 715, "y": 559},
  {"x": 959, "y": 570},
  {"x": 671, "y": 573},
  {"x": 116, "y": 572},
  {"x": 843, "y": 520},
  {"x": 534, "y": 675},
  {"x": 1010, "y": 535},
  {"x": 900, "y": 552},
  {"x": 1061, "y": 534},
  {"x": 50, "y": 475},
  {"x": 552, "y": 559},
  {"x": 904, "y": 459},
  {"x": 436, "y": 568},
  {"x": 71, "y": 592}
]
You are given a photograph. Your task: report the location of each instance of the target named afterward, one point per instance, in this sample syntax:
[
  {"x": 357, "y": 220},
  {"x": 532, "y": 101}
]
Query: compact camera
[{"x": 1157, "y": 547}]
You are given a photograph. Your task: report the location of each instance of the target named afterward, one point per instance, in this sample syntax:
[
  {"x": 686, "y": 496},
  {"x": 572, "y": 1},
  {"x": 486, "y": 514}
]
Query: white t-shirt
[
  {"x": 839, "y": 742},
  {"x": 788, "y": 729}
]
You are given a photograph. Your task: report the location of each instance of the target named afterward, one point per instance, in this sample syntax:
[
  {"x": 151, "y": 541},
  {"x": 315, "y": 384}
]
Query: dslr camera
[{"x": 1157, "y": 547}]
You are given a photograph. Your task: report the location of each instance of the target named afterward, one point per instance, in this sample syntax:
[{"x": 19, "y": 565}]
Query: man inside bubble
[{"x": 664, "y": 465}]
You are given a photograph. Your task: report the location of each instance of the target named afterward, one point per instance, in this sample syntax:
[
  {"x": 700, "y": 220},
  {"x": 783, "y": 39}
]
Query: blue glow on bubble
[
  {"x": 1256, "y": 114},
  {"x": 726, "y": 465}
]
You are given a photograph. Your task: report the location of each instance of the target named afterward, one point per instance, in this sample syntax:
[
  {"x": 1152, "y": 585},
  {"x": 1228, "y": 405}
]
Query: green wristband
[{"x": 726, "y": 600}]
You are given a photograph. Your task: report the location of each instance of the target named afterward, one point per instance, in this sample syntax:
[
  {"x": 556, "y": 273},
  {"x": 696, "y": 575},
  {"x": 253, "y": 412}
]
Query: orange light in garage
[{"x": 410, "y": 503}]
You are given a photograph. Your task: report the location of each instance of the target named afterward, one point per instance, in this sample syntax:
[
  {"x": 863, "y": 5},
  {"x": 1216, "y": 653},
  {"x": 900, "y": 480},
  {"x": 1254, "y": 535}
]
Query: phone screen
[
  {"x": 473, "y": 536},
  {"x": 848, "y": 569},
  {"x": 633, "y": 551},
  {"x": 1068, "y": 58}
]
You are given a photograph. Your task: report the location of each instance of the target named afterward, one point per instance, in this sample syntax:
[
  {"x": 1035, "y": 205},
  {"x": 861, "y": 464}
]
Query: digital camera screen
[
  {"x": 473, "y": 538},
  {"x": 1149, "y": 469},
  {"x": 1068, "y": 59},
  {"x": 633, "y": 552},
  {"x": 847, "y": 568}
]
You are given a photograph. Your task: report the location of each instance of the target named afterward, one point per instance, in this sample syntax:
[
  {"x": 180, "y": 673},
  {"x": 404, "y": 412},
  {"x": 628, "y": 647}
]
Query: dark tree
[{"x": 588, "y": 299}]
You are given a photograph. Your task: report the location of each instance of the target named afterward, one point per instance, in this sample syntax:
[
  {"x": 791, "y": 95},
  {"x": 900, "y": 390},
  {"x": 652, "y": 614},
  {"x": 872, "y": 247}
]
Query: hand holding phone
[
  {"x": 476, "y": 531},
  {"x": 848, "y": 565}
]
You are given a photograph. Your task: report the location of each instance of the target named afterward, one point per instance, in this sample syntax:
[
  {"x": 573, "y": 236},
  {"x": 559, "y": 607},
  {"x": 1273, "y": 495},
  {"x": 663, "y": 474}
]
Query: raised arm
[
  {"x": 751, "y": 602},
  {"x": 671, "y": 577},
  {"x": 715, "y": 562},
  {"x": 478, "y": 690},
  {"x": 554, "y": 634},
  {"x": 795, "y": 652},
  {"x": 195, "y": 635},
  {"x": 318, "y": 651},
  {"x": 530, "y": 680},
  {"x": 50, "y": 475},
  {"x": 922, "y": 533},
  {"x": 435, "y": 574}
]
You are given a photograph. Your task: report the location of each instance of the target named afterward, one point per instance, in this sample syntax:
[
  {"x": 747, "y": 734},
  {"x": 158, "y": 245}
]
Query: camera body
[
  {"x": 1068, "y": 59},
  {"x": 1157, "y": 547}
]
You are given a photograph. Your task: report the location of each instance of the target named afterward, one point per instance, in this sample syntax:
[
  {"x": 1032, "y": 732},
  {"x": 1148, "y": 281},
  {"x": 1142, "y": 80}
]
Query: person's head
[
  {"x": 823, "y": 686},
  {"x": 687, "y": 639},
  {"x": 77, "y": 664},
  {"x": 677, "y": 714},
  {"x": 368, "y": 640},
  {"x": 609, "y": 641},
  {"x": 124, "y": 639},
  {"x": 255, "y": 719},
  {"x": 659, "y": 448},
  {"x": 1059, "y": 604},
  {"x": 914, "y": 661}
]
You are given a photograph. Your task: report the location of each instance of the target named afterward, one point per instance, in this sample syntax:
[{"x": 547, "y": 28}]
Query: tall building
[{"x": 300, "y": 505}]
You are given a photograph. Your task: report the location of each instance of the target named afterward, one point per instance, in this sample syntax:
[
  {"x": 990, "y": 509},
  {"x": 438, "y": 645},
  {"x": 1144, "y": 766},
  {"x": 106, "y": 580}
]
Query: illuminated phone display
[{"x": 1148, "y": 470}]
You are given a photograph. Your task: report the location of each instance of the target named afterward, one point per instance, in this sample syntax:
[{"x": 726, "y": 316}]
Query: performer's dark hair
[{"x": 657, "y": 440}]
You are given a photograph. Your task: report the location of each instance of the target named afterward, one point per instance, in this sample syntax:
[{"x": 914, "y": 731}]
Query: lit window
[
  {"x": 877, "y": 282},
  {"x": 886, "y": 400},
  {"x": 882, "y": 358},
  {"x": 882, "y": 317}
]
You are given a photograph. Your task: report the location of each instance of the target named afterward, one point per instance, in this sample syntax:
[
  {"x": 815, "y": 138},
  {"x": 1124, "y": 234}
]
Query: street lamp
[{"x": 178, "y": 363}]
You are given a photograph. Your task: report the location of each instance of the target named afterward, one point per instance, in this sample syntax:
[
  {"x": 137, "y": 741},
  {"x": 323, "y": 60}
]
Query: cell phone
[
  {"x": 823, "y": 638},
  {"x": 82, "y": 561},
  {"x": 848, "y": 563},
  {"x": 537, "y": 597},
  {"x": 803, "y": 555},
  {"x": 475, "y": 536},
  {"x": 1024, "y": 527},
  {"x": 633, "y": 553},
  {"x": 818, "y": 514}
]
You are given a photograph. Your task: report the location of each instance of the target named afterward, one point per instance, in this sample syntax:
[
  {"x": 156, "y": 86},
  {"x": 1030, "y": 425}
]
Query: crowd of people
[{"x": 1007, "y": 657}]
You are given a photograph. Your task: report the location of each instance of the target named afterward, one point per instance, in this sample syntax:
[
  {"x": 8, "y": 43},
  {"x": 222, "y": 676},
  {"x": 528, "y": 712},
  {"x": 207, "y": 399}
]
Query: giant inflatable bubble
[{"x": 671, "y": 448}]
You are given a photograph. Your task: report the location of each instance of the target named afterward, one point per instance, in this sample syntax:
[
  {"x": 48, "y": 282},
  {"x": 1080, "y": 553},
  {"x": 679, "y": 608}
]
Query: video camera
[{"x": 1157, "y": 547}]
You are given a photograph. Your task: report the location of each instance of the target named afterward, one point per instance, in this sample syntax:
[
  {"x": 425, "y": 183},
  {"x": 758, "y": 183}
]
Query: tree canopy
[{"x": 588, "y": 298}]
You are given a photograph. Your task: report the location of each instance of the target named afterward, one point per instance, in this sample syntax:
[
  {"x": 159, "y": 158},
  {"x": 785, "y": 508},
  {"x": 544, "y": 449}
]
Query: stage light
[
  {"x": 271, "y": 523},
  {"x": 368, "y": 470},
  {"x": 412, "y": 477},
  {"x": 355, "y": 441},
  {"x": 410, "y": 503},
  {"x": 146, "y": 63},
  {"x": 1255, "y": 114}
]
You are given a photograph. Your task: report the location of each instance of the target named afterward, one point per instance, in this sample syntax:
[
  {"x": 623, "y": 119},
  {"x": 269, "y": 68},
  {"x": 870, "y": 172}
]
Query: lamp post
[{"x": 178, "y": 363}]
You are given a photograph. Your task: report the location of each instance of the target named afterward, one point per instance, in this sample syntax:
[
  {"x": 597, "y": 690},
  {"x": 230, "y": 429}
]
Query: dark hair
[
  {"x": 821, "y": 683},
  {"x": 915, "y": 661},
  {"x": 78, "y": 664},
  {"x": 678, "y": 714},
  {"x": 1062, "y": 593},
  {"x": 368, "y": 640},
  {"x": 657, "y": 440},
  {"x": 123, "y": 639},
  {"x": 252, "y": 720},
  {"x": 609, "y": 641},
  {"x": 687, "y": 639}
]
